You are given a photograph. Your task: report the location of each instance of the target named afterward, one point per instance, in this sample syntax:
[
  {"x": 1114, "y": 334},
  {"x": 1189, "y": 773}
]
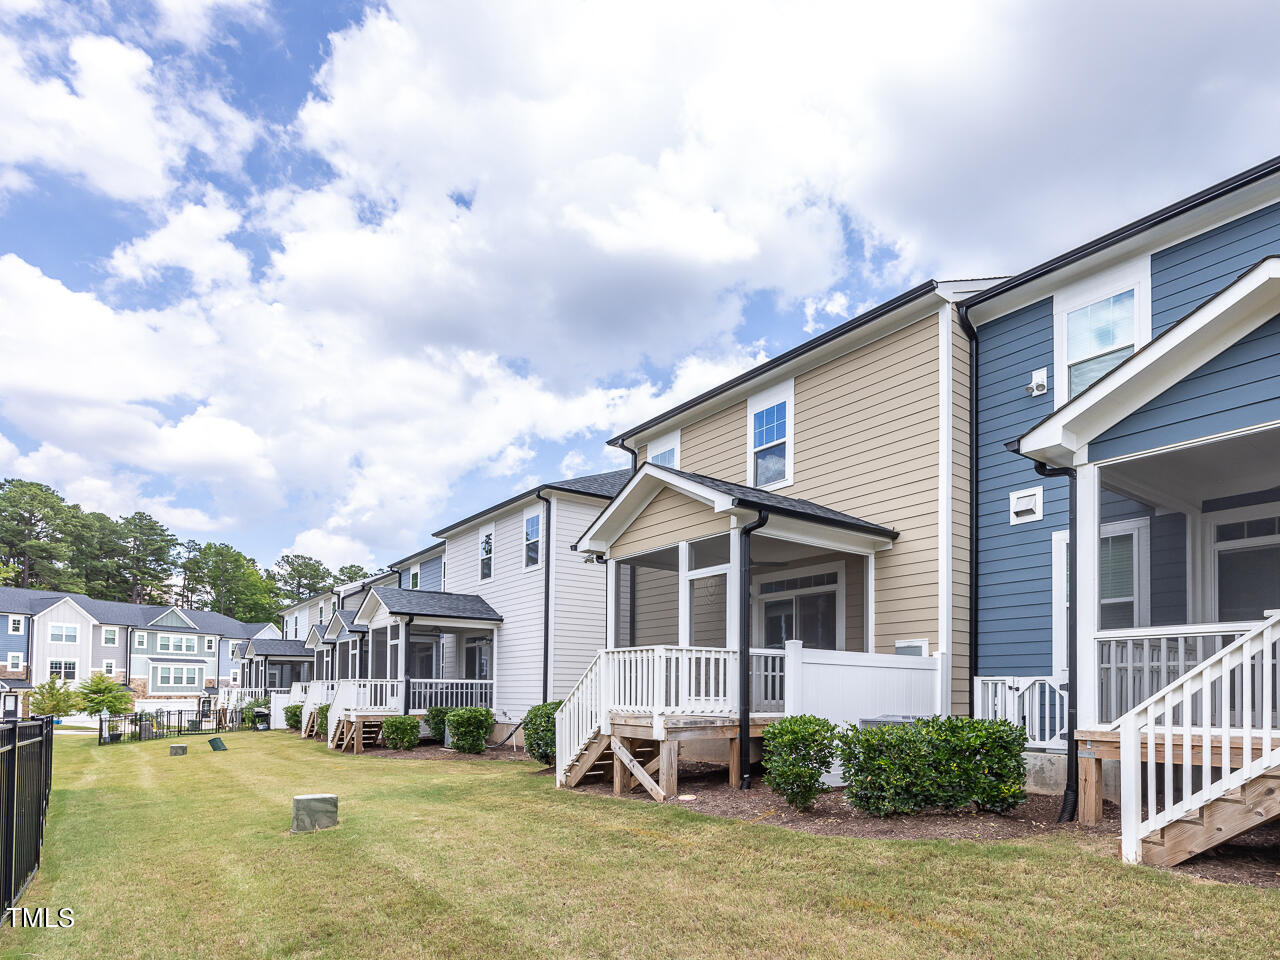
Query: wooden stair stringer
[{"x": 1255, "y": 803}]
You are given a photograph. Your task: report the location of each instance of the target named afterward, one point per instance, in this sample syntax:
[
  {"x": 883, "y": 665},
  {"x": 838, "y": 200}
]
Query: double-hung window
[
  {"x": 770, "y": 418},
  {"x": 486, "y": 551},
  {"x": 63, "y": 669},
  {"x": 1100, "y": 336},
  {"x": 532, "y": 536},
  {"x": 15, "y": 661},
  {"x": 15, "y": 625},
  {"x": 163, "y": 642},
  {"x": 413, "y": 580},
  {"x": 63, "y": 633},
  {"x": 110, "y": 636},
  {"x": 140, "y": 639},
  {"x": 208, "y": 644},
  {"x": 109, "y": 667}
]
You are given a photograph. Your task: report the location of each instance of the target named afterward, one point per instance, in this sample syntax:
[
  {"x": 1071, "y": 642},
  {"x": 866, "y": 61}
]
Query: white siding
[
  {"x": 42, "y": 651},
  {"x": 578, "y": 590}
]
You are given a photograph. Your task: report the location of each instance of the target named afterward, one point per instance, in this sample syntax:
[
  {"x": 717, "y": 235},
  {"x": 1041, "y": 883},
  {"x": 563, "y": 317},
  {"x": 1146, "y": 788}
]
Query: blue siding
[
  {"x": 1015, "y": 575},
  {"x": 1168, "y": 569},
  {"x": 13, "y": 642},
  {"x": 1238, "y": 388},
  {"x": 1185, "y": 275}
]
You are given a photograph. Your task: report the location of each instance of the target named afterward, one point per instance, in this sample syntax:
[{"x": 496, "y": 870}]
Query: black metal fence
[
  {"x": 159, "y": 724},
  {"x": 26, "y": 776}
]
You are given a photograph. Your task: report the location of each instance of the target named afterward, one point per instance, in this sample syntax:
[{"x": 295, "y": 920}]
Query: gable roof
[
  {"x": 435, "y": 604},
  {"x": 723, "y": 496},
  {"x": 174, "y": 610},
  {"x": 602, "y": 485},
  {"x": 117, "y": 613},
  {"x": 1223, "y": 319},
  {"x": 268, "y": 647},
  {"x": 341, "y": 627},
  {"x": 394, "y": 564}
]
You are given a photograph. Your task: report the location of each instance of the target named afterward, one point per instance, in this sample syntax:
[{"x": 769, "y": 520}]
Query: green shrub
[
  {"x": 540, "y": 732},
  {"x": 436, "y": 718},
  {"x": 322, "y": 721},
  {"x": 400, "y": 733},
  {"x": 293, "y": 716},
  {"x": 942, "y": 762},
  {"x": 797, "y": 752},
  {"x": 469, "y": 728}
]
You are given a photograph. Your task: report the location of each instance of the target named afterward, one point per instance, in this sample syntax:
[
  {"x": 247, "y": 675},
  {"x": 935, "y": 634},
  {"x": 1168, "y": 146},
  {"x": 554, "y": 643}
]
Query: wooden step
[{"x": 1255, "y": 803}]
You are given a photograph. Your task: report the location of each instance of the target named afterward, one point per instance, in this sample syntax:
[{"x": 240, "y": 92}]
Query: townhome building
[
  {"x": 164, "y": 652},
  {"x": 501, "y": 612}
]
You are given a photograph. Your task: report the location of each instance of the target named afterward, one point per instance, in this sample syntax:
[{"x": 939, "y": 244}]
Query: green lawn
[{"x": 191, "y": 856}]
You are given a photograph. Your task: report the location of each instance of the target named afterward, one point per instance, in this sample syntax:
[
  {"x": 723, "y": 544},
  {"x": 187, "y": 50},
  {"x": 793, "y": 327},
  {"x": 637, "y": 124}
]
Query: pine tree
[
  {"x": 33, "y": 521},
  {"x": 101, "y": 692},
  {"x": 148, "y": 558},
  {"x": 300, "y": 576}
]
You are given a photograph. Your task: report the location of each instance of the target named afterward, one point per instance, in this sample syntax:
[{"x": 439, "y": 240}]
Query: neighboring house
[
  {"x": 160, "y": 652},
  {"x": 803, "y": 511},
  {"x": 504, "y": 614},
  {"x": 1128, "y": 492}
]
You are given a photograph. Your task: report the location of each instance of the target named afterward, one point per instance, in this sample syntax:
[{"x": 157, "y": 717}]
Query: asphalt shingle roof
[
  {"x": 431, "y": 603},
  {"x": 30, "y": 602},
  {"x": 604, "y": 485},
  {"x": 266, "y": 647},
  {"x": 767, "y": 500}
]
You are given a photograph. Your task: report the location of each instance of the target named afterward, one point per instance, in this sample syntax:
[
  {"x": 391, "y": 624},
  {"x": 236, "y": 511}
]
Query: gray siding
[
  {"x": 1240, "y": 387},
  {"x": 1015, "y": 582},
  {"x": 578, "y": 596}
]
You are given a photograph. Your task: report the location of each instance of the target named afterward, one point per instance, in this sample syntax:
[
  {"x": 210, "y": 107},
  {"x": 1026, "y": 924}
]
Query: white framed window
[
  {"x": 109, "y": 667},
  {"x": 1026, "y": 506},
  {"x": 485, "y": 546},
  {"x": 234, "y": 676},
  {"x": 15, "y": 660},
  {"x": 1244, "y": 545},
  {"x": 139, "y": 639},
  {"x": 162, "y": 643},
  {"x": 15, "y": 626},
  {"x": 1124, "y": 581},
  {"x": 209, "y": 644},
  {"x": 1098, "y": 323},
  {"x": 110, "y": 636},
  {"x": 64, "y": 669},
  {"x": 414, "y": 578},
  {"x": 665, "y": 450},
  {"x": 770, "y": 436},
  {"x": 806, "y": 604},
  {"x": 295, "y": 626},
  {"x": 63, "y": 633},
  {"x": 911, "y": 648},
  {"x": 533, "y": 536},
  {"x": 443, "y": 575}
]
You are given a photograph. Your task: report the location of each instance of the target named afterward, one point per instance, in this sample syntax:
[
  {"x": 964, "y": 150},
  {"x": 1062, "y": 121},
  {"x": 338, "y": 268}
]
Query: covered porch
[{"x": 728, "y": 607}]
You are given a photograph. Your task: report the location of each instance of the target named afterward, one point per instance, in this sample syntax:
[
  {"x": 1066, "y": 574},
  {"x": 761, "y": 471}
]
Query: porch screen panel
[
  {"x": 1248, "y": 582},
  {"x": 344, "y": 661},
  {"x": 1116, "y": 582},
  {"x": 708, "y": 599},
  {"x": 379, "y": 646},
  {"x": 647, "y": 600}
]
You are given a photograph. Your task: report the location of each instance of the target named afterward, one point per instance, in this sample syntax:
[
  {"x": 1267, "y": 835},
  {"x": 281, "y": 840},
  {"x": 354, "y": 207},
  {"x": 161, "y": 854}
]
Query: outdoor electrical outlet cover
[
  {"x": 217, "y": 744},
  {"x": 177, "y": 749},
  {"x": 314, "y": 811}
]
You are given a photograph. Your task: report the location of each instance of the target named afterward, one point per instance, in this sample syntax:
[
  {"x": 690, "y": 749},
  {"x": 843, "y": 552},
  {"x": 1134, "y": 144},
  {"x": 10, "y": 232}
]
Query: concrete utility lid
[
  {"x": 314, "y": 811},
  {"x": 177, "y": 749}
]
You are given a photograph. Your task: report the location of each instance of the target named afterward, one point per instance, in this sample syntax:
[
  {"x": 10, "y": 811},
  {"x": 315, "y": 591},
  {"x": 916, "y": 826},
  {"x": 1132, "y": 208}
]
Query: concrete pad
[
  {"x": 177, "y": 749},
  {"x": 314, "y": 811}
]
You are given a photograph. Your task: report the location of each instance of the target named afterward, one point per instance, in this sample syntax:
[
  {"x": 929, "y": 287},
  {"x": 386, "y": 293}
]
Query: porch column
[
  {"x": 1085, "y": 537},
  {"x": 682, "y": 599},
  {"x": 733, "y": 588},
  {"x": 611, "y": 603}
]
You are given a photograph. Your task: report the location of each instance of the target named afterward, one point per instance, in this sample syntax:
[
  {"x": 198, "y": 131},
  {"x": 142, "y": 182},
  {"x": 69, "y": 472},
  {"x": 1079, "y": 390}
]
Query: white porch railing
[
  {"x": 1134, "y": 664},
  {"x": 1037, "y": 704},
  {"x": 319, "y": 692},
  {"x": 578, "y": 717},
  {"x": 699, "y": 681},
  {"x": 298, "y": 691},
  {"x": 378, "y": 695},
  {"x": 427, "y": 693},
  {"x": 1225, "y": 705}
]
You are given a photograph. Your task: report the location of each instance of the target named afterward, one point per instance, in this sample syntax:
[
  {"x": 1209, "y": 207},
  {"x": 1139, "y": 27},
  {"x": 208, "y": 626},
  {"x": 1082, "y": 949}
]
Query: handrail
[
  {"x": 1225, "y": 683},
  {"x": 1173, "y": 631}
]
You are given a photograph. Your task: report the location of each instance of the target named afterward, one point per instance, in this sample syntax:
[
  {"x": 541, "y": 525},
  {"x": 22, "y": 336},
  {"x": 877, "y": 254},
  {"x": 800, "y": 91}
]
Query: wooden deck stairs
[
  {"x": 1238, "y": 811},
  {"x": 357, "y": 733}
]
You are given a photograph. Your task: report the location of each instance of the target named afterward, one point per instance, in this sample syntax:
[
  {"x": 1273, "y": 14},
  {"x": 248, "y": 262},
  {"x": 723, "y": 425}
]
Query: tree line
[{"x": 47, "y": 543}]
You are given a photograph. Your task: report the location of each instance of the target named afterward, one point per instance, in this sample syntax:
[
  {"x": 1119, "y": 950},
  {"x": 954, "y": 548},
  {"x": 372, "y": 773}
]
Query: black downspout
[
  {"x": 546, "y": 601},
  {"x": 972, "y": 334},
  {"x": 744, "y": 647},
  {"x": 635, "y": 457}
]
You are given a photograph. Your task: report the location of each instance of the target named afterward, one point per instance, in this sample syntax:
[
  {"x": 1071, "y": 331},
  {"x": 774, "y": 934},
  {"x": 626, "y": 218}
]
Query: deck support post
[
  {"x": 669, "y": 767},
  {"x": 620, "y": 775},
  {"x": 1090, "y": 790},
  {"x": 735, "y": 762}
]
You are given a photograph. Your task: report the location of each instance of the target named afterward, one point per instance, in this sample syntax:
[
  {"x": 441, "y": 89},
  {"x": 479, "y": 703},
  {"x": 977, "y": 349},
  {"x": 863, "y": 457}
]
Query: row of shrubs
[
  {"x": 468, "y": 727},
  {"x": 940, "y": 763}
]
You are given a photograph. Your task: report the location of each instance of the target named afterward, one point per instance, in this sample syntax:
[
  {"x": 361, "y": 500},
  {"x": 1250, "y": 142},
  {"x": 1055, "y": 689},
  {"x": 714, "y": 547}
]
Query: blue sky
[{"x": 325, "y": 276}]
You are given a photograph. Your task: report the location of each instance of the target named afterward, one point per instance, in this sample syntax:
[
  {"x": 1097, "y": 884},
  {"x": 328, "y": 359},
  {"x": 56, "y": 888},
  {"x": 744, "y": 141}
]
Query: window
[
  {"x": 1099, "y": 338},
  {"x": 805, "y": 605},
  {"x": 163, "y": 642},
  {"x": 1026, "y": 506},
  {"x": 486, "y": 552},
  {"x": 109, "y": 667},
  {"x": 295, "y": 626},
  {"x": 769, "y": 421},
  {"x": 413, "y": 580},
  {"x": 15, "y": 625},
  {"x": 208, "y": 644},
  {"x": 476, "y": 666},
  {"x": 109, "y": 635},
  {"x": 65, "y": 669},
  {"x": 15, "y": 661},
  {"x": 665, "y": 450},
  {"x": 63, "y": 633},
  {"x": 532, "y": 536},
  {"x": 139, "y": 639}
]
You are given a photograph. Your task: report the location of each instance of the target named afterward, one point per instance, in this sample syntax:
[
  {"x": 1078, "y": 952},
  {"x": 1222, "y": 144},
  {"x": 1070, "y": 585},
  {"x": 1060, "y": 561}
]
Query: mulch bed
[
  {"x": 433, "y": 751},
  {"x": 1253, "y": 859}
]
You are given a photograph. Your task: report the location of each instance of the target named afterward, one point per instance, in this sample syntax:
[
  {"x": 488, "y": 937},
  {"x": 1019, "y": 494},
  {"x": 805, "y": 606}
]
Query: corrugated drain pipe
[{"x": 744, "y": 648}]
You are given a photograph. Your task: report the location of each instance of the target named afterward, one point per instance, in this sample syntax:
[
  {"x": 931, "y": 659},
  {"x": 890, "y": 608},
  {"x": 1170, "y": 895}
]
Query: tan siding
[
  {"x": 960, "y": 523},
  {"x": 668, "y": 519},
  {"x": 642, "y": 453},
  {"x": 717, "y": 445},
  {"x": 866, "y": 442}
]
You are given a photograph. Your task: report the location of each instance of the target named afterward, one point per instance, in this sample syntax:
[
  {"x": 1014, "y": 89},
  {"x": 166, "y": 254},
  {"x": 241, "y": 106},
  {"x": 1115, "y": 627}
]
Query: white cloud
[
  {"x": 333, "y": 550},
  {"x": 194, "y": 238},
  {"x": 192, "y": 22},
  {"x": 573, "y": 464}
]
